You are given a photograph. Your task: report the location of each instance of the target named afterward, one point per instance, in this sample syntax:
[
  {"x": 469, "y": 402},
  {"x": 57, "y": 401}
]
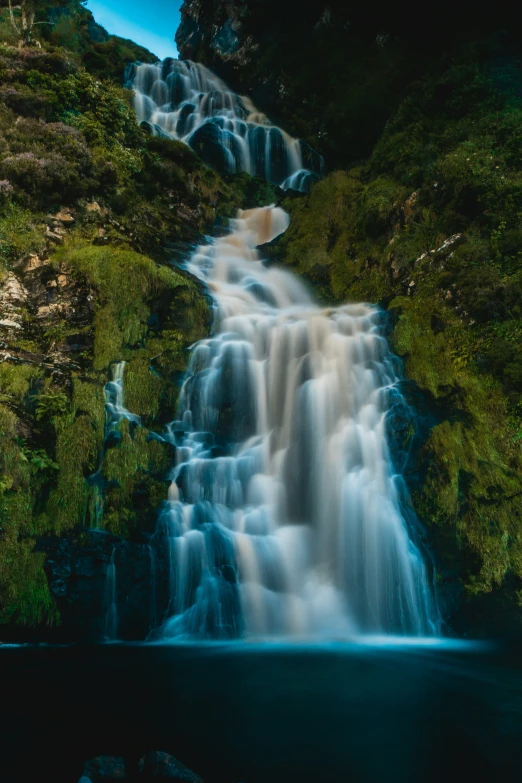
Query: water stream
[
  {"x": 115, "y": 411},
  {"x": 284, "y": 515},
  {"x": 185, "y": 101},
  {"x": 111, "y": 602}
]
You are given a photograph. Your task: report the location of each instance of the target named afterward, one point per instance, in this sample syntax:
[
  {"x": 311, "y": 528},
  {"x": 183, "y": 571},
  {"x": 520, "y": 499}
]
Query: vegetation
[
  {"x": 422, "y": 213},
  {"x": 89, "y": 203},
  {"x": 430, "y": 226}
]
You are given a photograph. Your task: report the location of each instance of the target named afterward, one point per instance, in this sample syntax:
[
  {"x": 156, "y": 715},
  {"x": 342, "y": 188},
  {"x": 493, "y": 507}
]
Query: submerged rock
[
  {"x": 163, "y": 766},
  {"x": 104, "y": 768},
  {"x": 156, "y": 765}
]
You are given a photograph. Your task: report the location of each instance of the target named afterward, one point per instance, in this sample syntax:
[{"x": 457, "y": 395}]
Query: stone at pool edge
[
  {"x": 103, "y": 768},
  {"x": 154, "y": 766},
  {"x": 163, "y": 766}
]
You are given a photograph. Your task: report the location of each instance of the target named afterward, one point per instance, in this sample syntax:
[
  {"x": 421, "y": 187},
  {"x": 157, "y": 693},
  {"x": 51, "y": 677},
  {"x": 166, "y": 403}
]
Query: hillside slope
[
  {"x": 92, "y": 210},
  {"x": 421, "y": 213}
]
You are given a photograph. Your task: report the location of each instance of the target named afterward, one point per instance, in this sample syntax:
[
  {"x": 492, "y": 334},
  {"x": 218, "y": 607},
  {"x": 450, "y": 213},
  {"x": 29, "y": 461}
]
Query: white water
[
  {"x": 111, "y": 601},
  {"x": 284, "y": 516},
  {"x": 115, "y": 409},
  {"x": 185, "y": 101}
]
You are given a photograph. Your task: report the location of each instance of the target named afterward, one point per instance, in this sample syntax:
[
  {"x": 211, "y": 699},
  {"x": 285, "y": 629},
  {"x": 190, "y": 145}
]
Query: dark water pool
[{"x": 266, "y": 714}]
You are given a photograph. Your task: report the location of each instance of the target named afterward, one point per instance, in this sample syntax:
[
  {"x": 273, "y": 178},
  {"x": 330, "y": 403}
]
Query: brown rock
[
  {"x": 8, "y": 324},
  {"x": 12, "y": 292},
  {"x": 65, "y": 217},
  {"x": 54, "y": 236},
  {"x": 50, "y": 310},
  {"x": 34, "y": 262},
  {"x": 408, "y": 208}
]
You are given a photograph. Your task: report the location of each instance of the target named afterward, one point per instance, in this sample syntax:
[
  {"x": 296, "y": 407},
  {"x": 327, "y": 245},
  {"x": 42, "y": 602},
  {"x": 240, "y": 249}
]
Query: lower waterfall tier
[{"x": 285, "y": 516}]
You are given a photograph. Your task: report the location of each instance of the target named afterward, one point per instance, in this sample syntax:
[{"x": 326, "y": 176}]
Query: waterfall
[
  {"x": 111, "y": 601},
  {"x": 115, "y": 410},
  {"x": 185, "y": 101},
  {"x": 284, "y": 513}
]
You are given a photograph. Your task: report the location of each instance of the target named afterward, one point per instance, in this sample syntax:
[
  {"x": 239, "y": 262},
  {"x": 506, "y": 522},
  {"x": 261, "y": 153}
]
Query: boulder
[
  {"x": 64, "y": 217},
  {"x": 162, "y": 766},
  {"x": 104, "y": 768},
  {"x": 216, "y": 146}
]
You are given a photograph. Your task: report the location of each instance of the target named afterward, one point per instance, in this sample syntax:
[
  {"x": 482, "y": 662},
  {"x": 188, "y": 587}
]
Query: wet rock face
[
  {"x": 13, "y": 297},
  {"x": 216, "y": 28},
  {"x": 77, "y": 569},
  {"x": 37, "y": 296}
]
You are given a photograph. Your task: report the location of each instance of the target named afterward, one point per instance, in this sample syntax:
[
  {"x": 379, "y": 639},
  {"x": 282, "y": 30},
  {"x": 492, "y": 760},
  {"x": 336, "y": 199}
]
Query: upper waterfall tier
[
  {"x": 285, "y": 515},
  {"x": 186, "y": 101}
]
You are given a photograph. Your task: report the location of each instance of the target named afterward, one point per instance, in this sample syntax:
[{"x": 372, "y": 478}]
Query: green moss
[
  {"x": 135, "y": 453},
  {"x": 156, "y": 492},
  {"x": 76, "y": 452},
  {"x": 473, "y": 485},
  {"x": 143, "y": 388},
  {"x": 379, "y": 203},
  {"x": 20, "y": 234},
  {"x": 447, "y": 165},
  {"x": 89, "y": 398},
  {"x": 108, "y": 338},
  {"x": 79, "y": 434},
  {"x": 429, "y": 359},
  {"x": 473, "y": 479},
  {"x": 24, "y": 592},
  {"x": 17, "y": 379},
  {"x": 130, "y": 469},
  {"x": 125, "y": 282},
  {"x": 471, "y": 494},
  {"x": 321, "y": 234},
  {"x": 69, "y": 137},
  {"x": 14, "y": 472}
]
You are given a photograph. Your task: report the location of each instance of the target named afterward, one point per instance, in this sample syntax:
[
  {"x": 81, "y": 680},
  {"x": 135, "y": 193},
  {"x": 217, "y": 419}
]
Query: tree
[{"x": 24, "y": 23}]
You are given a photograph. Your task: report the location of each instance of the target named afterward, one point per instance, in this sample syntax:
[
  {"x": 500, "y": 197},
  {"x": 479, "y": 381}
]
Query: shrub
[
  {"x": 125, "y": 282},
  {"x": 19, "y": 234}
]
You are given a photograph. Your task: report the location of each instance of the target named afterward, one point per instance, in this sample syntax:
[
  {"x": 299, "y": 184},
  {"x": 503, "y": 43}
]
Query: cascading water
[
  {"x": 185, "y": 101},
  {"x": 115, "y": 411},
  {"x": 111, "y": 601},
  {"x": 284, "y": 514}
]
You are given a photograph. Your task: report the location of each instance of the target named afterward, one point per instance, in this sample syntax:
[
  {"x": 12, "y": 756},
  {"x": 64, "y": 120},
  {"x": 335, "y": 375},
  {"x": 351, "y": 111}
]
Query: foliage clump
[
  {"x": 92, "y": 208},
  {"x": 430, "y": 227}
]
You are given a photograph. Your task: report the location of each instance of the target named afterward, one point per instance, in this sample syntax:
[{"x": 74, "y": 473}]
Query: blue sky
[{"x": 151, "y": 23}]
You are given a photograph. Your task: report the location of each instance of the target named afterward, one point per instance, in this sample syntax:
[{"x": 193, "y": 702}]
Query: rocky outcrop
[
  {"x": 77, "y": 567},
  {"x": 37, "y": 297},
  {"x": 216, "y": 29},
  {"x": 156, "y": 765},
  {"x": 328, "y": 71}
]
